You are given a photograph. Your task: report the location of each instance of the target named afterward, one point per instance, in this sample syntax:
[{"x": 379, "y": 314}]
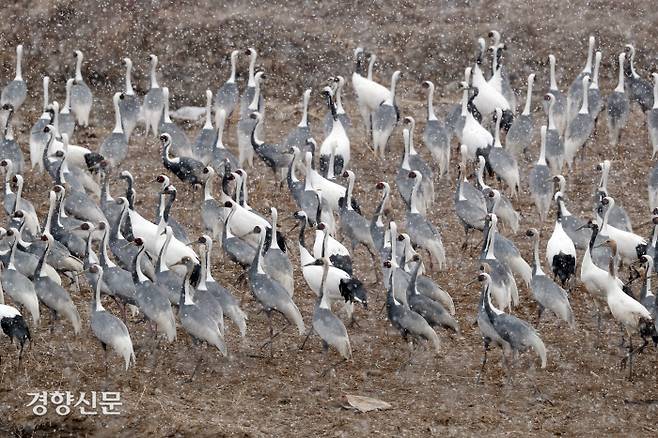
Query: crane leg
[
  {"x": 484, "y": 362},
  {"x": 332, "y": 366},
  {"x": 301, "y": 347}
]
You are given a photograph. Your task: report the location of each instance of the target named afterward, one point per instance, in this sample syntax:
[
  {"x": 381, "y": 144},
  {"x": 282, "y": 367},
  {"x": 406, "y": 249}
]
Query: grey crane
[
  {"x": 247, "y": 97},
  {"x": 647, "y": 297},
  {"x": 326, "y": 324},
  {"x": 298, "y": 136},
  {"x": 202, "y": 148},
  {"x": 377, "y": 227},
  {"x": 180, "y": 144},
  {"x": 220, "y": 154},
  {"x": 212, "y": 212},
  {"x": 470, "y": 214},
  {"x": 270, "y": 294},
  {"x": 403, "y": 182},
  {"x": 503, "y": 284},
  {"x": 579, "y": 129},
  {"x": 117, "y": 279},
  {"x": 555, "y": 152},
  {"x": 167, "y": 279},
  {"x": 618, "y": 218},
  {"x": 425, "y": 285},
  {"x": 115, "y": 147},
  {"x": 571, "y": 224},
  {"x": 237, "y": 249},
  {"x": 385, "y": 119},
  {"x": 559, "y": 100},
  {"x": 107, "y": 328},
  {"x": 39, "y": 138},
  {"x": 521, "y": 133},
  {"x": 417, "y": 163},
  {"x": 594, "y": 99},
  {"x": 153, "y": 100},
  {"x": 501, "y": 205},
  {"x": 151, "y": 298},
  {"x": 275, "y": 260},
  {"x": 195, "y": 319},
  {"x": 17, "y": 285},
  {"x": 229, "y": 303},
  {"x": 130, "y": 105},
  {"x": 435, "y": 135},
  {"x": 186, "y": 168},
  {"x": 512, "y": 334},
  {"x": 409, "y": 323},
  {"x": 59, "y": 257},
  {"x": 652, "y": 187},
  {"x": 52, "y": 295},
  {"x": 504, "y": 248},
  {"x": 273, "y": 155},
  {"x": 540, "y": 181},
  {"x": 618, "y": 107},
  {"x": 639, "y": 89},
  {"x": 502, "y": 162},
  {"x": 15, "y": 92},
  {"x": 577, "y": 87},
  {"x": 246, "y": 123},
  {"x": 432, "y": 311},
  {"x": 65, "y": 119},
  {"x": 304, "y": 194},
  {"x": 353, "y": 225},
  {"x": 226, "y": 96},
  {"x": 421, "y": 231},
  {"x": 81, "y": 97},
  {"x": 545, "y": 291},
  {"x": 62, "y": 234},
  {"x": 164, "y": 218},
  {"x": 9, "y": 148},
  {"x": 14, "y": 202},
  {"x": 652, "y": 118}
]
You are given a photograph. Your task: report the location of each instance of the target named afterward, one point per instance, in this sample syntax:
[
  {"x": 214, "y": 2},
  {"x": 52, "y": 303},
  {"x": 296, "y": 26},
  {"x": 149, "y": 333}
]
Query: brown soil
[{"x": 581, "y": 392}]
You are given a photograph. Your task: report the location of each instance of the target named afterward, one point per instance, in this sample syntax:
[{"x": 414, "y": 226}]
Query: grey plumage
[
  {"x": 115, "y": 147},
  {"x": 53, "y": 295},
  {"x": 520, "y": 135},
  {"x": 196, "y": 318},
  {"x": 15, "y": 92},
  {"x": 202, "y": 148},
  {"x": 153, "y": 101},
  {"x": 81, "y": 97},
  {"x": 229, "y": 303},
  {"x": 151, "y": 299},
  {"x": 107, "y": 328},
  {"x": 545, "y": 291},
  {"x": 269, "y": 293},
  {"x": 130, "y": 105},
  {"x": 275, "y": 260},
  {"x": 433, "y": 312},
  {"x": 618, "y": 107},
  {"x": 421, "y": 231},
  {"x": 226, "y": 97},
  {"x": 540, "y": 182},
  {"x": 406, "y": 321},
  {"x": 435, "y": 135}
]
